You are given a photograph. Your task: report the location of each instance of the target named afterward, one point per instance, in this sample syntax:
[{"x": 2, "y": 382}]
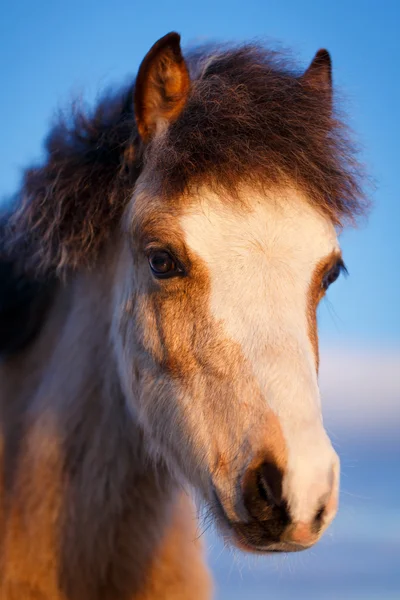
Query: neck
[
  {"x": 115, "y": 487},
  {"x": 121, "y": 497},
  {"x": 112, "y": 502}
]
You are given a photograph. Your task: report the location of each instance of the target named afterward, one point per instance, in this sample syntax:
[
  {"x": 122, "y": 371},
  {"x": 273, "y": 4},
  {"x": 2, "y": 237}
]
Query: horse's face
[
  {"x": 216, "y": 333},
  {"x": 220, "y": 346}
]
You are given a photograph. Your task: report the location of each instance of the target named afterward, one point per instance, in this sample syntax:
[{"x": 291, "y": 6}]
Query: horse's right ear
[{"x": 162, "y": 86}]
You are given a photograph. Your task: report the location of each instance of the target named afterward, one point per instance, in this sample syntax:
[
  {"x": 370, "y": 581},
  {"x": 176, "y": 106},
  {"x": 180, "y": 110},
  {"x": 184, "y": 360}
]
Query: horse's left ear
[
  {"x": 318, "y": 76},
  {"x": 162, "y": 86}
]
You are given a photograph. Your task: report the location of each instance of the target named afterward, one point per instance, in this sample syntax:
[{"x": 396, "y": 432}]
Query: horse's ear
[
  {"x": 318, "y": 76},
  {"x": 162, "y": 86}
]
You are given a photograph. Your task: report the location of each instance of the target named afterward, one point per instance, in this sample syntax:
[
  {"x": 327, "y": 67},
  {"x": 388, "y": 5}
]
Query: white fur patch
[{"x": 261, "y": 264}]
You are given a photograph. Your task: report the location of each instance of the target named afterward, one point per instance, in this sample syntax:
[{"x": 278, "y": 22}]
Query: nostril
[
  {"x": 262, "y": 490},
  {"x": 319, "y": 515},
  {"x": 269, "y": 481}
]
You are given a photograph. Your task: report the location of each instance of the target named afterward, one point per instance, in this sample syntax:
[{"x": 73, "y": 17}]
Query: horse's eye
[
  {"x": 333, "y": 274},
  {"x": 163, "y": 265}
]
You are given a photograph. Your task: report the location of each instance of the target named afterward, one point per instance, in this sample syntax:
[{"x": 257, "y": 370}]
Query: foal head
[
  {"x": 235, "y": 176},
  {"x": 230, "y": 246}
]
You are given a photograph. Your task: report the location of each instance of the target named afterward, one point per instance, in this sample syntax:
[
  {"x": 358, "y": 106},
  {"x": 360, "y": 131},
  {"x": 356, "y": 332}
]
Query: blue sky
[{"x": 51, "y": 51}]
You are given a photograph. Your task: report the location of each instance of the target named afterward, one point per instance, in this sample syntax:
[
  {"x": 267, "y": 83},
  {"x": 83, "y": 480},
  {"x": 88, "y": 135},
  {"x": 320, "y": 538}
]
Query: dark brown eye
[
  {"x": 333, "y": 274},
  {"x": 163, "y": 264}
]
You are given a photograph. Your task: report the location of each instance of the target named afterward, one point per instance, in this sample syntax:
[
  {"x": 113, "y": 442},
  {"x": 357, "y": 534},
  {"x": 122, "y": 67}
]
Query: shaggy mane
[{"x": 249, "y": 118}]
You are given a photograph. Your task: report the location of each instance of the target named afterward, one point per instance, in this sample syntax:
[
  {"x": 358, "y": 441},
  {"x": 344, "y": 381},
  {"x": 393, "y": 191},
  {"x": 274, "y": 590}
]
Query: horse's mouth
[{"x": 254, "y": 536}]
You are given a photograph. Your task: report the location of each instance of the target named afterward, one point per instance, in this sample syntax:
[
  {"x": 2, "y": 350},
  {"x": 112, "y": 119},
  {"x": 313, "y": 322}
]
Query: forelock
[{"x": 250, "y": 119}]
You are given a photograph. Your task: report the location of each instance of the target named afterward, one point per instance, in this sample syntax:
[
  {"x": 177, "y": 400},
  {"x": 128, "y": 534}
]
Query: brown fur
[{"x": 176, "y": 570}]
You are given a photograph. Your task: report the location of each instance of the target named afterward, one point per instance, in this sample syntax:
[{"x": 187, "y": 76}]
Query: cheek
[
  {"x": 180, "y": 336},
  {"x": 173, "y": 321}
]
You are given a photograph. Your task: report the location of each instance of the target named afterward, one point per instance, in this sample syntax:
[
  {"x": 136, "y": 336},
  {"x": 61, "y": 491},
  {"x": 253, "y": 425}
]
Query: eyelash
[{"x": 332, "y": 275}]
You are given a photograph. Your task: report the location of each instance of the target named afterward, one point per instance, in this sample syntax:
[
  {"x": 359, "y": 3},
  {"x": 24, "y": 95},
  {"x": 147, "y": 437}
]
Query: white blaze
[{"x": 261, "y": 263}]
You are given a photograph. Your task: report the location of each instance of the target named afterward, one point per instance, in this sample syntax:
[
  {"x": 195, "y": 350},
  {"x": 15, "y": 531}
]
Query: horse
[{"x": 161, "y": 271}]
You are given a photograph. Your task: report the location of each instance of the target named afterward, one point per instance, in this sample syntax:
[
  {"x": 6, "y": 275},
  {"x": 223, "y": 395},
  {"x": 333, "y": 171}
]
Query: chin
[{"x": 236, "y": 535}]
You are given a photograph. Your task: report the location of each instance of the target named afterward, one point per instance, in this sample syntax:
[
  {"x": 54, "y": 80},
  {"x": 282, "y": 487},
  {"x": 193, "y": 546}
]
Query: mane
[{"x": 249, "y": 118}]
